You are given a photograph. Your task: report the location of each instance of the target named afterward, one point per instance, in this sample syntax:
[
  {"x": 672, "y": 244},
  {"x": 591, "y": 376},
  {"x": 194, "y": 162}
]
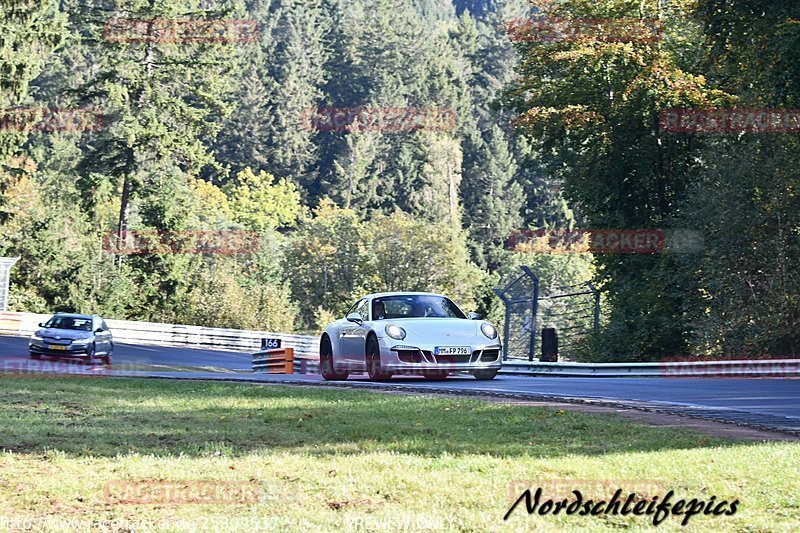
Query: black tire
[
  {"x": 485, "y": 374},
  {"x": 90, "y": 350},
  {"x": 36, "y": 356},
  {"x": 326, "y": 367},
  {"x": 436, "y": 375},
  {"x": 374, "y": 369},
  {"x": 106, "y": 359}
]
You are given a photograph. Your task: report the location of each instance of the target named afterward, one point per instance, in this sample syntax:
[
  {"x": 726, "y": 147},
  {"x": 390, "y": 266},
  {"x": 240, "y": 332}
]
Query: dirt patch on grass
[{"x": 648, "y": 418}]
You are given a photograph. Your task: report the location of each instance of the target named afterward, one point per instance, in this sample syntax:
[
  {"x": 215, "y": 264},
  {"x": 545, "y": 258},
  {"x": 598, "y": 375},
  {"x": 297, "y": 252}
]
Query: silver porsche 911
[{"x": 409, "y": 333}]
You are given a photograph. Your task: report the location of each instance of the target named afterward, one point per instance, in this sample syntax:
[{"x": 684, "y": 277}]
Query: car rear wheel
[
  {"x": 436, "y": 375},
  {"x": 485, "y": 374},
  {"x": 374, "y": 368},
  {"x": 326, "y": 362}
]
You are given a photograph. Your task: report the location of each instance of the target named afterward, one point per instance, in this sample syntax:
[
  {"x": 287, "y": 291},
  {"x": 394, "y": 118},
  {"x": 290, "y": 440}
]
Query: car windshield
[
  {"x": 414, "y": 306},
  {"x": 70, "y": 322}
]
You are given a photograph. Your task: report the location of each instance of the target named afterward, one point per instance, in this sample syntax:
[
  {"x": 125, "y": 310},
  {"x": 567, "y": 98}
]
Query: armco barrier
[
  {"x": 276, "y": 361},
  {"x": 133, "y": 332},
  {"x": 670, "y": 369},
  {"x": 774, "y": 368},
  {"x": 10, "y": 322}
]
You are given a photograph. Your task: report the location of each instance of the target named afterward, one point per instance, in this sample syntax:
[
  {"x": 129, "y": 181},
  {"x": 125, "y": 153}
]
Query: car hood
[
  {"x": 70, "y": 334},
  {"x": 444, "y": 330}
]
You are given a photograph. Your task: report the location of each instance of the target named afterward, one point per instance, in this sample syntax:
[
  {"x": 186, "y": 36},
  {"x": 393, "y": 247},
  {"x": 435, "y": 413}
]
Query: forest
[{"x": 196, "y": 119}]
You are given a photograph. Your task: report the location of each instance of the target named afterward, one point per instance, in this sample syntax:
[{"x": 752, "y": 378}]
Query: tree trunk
[{"x": 124, "y": 215}]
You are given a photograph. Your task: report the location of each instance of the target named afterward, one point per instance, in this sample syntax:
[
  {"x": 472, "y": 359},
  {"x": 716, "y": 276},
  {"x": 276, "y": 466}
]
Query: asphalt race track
[{"x": 766, "y": 403}]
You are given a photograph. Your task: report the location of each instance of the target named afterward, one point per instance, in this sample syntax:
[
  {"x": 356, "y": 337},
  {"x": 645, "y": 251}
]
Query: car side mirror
[
  {"x": 99, "y": 330},
  {"x": 474, "y": 316},
  {"x": 41, "y": 325},
  {"x": 354, "y": 317}
]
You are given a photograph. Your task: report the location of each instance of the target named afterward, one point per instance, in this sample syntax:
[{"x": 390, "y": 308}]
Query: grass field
[{"x": 330, "y": 460}]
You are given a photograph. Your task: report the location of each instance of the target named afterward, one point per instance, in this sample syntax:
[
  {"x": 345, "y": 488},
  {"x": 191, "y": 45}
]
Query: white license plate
[
  {"x": 57, "y": 347},
  {"x": 452, "y": 350}
]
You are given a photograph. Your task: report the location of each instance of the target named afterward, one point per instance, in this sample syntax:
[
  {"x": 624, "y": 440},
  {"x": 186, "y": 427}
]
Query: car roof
[
  {"x": 75, "y": 315},
  {"x": 401, "y": 293}
]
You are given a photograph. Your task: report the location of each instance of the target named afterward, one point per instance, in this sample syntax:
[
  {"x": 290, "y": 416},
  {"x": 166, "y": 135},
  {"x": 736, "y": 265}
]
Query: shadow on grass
[{"x": 109, "y": 417}]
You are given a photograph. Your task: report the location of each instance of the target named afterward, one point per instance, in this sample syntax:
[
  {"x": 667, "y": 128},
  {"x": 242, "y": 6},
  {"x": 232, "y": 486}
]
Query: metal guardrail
[
  {"x": 775, "y": 368},
  {"x": 129, "y": 331},
  {"x": 670, "y": 369}
]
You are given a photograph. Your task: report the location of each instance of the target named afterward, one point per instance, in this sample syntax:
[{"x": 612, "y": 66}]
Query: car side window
[
  {"x": 354, "y": 308},
  {"x": 363, "y": 309}
]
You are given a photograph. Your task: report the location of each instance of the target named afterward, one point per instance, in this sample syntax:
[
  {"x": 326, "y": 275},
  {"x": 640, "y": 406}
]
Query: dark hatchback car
[{"x": 73, "y": 336}]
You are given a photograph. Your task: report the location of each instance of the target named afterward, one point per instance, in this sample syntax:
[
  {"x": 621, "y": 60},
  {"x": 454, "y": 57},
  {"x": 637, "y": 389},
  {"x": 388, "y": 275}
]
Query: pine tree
[
  {"x": 492, "y": 200},
  {"x": 298, "y": 70},
  {"x": 29, "y": 32}
]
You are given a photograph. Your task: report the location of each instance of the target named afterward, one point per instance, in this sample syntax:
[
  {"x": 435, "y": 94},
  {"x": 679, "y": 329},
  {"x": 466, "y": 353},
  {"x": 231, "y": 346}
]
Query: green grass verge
[{"x": 331, "y": 460}]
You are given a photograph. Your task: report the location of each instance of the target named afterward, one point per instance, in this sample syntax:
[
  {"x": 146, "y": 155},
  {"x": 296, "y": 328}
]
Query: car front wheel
[
  {"x": 90, "y": 353},
  {"x": 485, "y": 374},
  {"x": 326, "y": 362},
  {"x": 106, "y": 359},
  {"x": 36, "y": 356},
  {"x": 374, "y": 368}
]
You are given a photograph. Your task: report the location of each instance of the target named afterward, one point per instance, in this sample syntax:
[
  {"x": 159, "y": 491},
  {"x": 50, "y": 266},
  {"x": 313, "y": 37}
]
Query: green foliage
[
  {"x": 219, "y": 297},
  {"x": 412, "y": 255},
  {"x": 29, "y": 32},
  {"x": 492, "y": 199},
  {"x": 337, "y": 257},
  {"x": 329, "y": 261},
  {"x": 259, "y": 203},
  {"x": 591, "y": 110}
]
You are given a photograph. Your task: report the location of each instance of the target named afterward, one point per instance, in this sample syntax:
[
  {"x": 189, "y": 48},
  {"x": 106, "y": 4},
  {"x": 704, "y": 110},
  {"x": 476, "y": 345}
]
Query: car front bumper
[
  {"x": 70, "y": 350},
  {"x": 404, "y": 357}
]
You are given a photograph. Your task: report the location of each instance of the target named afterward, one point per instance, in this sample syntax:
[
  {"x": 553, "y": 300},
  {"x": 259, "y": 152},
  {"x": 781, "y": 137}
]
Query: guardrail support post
[{"x": 549, "y": 345}]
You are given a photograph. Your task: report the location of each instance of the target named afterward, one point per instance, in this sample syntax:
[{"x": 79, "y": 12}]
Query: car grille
[
  {"x": 62, "y": 342},
  {"x": 409, "y": 356},
  {"x": 414, "y": 356}
]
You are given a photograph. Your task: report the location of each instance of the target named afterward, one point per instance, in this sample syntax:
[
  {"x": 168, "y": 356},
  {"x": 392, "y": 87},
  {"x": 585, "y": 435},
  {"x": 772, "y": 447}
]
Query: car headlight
[
  {"x": 395, "y": 332},
  {"x": 489, "y": 330},
  {"x": 81, "y": 341},
  {"x": 36, "y": 338}
]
